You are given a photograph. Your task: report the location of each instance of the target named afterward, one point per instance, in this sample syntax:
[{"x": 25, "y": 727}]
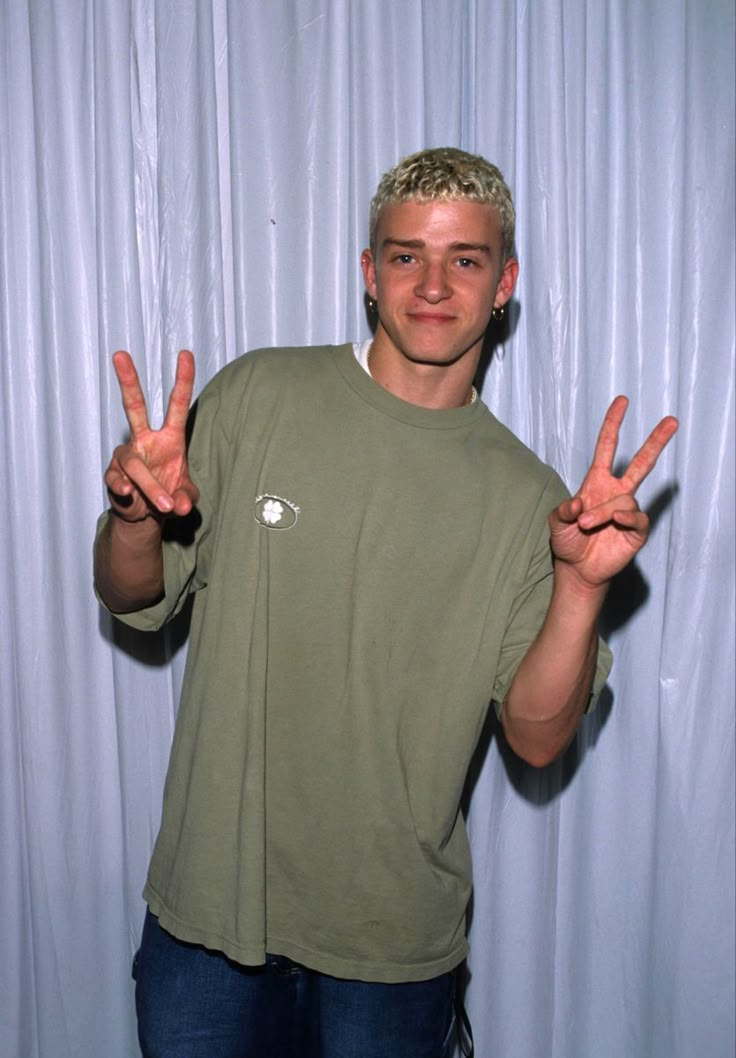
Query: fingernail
[{"x": 164, "y": 503}]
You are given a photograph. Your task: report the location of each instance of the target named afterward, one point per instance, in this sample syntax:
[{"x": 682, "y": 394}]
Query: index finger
[
  {"x": 180, "y": 398},
  {"x": 134, "y": 403},
  {"x": 605, "y": 446},
  {"x": 645, "y": 459}
]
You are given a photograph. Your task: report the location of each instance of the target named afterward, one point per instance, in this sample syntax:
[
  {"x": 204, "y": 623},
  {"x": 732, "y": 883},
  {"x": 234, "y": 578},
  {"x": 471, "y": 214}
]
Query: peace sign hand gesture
[
  {"x": 598, "y": 531},
  {"x": 148, "y": 476}
]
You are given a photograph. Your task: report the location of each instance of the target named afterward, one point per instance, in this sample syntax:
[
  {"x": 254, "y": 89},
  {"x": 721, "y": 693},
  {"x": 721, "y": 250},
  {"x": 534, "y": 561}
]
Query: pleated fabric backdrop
[{"x": 176, "y": 173}]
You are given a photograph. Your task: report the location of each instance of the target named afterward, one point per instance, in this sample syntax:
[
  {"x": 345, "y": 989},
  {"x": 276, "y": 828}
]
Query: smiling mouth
[{"x": 430, "y": 317}]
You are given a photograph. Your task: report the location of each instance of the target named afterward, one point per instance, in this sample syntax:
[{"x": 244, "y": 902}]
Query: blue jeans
[{"x": 195, "y": 1003}]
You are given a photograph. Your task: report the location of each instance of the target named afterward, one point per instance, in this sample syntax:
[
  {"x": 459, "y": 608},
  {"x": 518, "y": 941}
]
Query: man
[{"x": 374, "y": 558}]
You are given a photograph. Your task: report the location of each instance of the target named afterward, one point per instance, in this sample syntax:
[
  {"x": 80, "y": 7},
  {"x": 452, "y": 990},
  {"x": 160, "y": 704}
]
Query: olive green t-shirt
[{"x": 368, "y": 575}]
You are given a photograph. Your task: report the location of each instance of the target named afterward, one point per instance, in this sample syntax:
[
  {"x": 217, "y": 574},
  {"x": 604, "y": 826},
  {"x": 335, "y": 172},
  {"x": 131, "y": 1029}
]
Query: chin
[{"x": 444, "y": 357}]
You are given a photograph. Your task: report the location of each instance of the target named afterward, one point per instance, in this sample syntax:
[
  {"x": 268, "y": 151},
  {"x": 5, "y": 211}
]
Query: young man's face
[{"x": 437, "y": 275}]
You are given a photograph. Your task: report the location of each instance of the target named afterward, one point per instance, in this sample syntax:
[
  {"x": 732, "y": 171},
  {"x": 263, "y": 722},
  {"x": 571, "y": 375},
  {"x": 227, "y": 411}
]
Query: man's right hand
[{"x": 148, "y": 476}]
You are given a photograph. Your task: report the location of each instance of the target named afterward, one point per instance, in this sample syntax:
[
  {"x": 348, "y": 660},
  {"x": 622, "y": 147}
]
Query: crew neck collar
[{"x": 351, "y": 360}]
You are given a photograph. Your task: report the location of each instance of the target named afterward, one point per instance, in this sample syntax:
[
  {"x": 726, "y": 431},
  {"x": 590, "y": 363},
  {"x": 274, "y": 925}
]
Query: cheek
[
  {"x": 393, "y": 283},
  {"x": 384, "y": 292}
]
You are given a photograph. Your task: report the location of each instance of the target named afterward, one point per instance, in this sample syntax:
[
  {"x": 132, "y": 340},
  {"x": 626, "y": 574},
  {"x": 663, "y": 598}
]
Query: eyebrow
[{"x": 419, "y": 244}]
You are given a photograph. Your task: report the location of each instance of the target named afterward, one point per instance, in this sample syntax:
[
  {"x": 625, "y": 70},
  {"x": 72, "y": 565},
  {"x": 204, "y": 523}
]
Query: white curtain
[{"x": 196, "y": 173}]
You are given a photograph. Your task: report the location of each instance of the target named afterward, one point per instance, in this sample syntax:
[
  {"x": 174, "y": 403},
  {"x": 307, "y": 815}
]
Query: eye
[
  {"x": 403, "y": 258},
  {"x": 467, "y": 262}
]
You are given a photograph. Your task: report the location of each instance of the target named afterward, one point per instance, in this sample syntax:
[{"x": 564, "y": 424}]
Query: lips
[{"x": 430, "y": 317}]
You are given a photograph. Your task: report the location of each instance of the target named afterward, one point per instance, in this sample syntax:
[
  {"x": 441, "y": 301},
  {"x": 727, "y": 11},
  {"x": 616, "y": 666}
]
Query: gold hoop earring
[{"x": 499, "y": 311}]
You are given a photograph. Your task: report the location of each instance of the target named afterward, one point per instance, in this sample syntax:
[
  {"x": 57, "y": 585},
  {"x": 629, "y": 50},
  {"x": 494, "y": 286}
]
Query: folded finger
[
  {"x": 117, "y": 483},
  {"x": 147, "y": 484},
  {"x": 604, "y": 513},
  {"x": 569, "y": 510},
  {"x": 185, "y": 497},
  {"x": 636, "y": 521}
]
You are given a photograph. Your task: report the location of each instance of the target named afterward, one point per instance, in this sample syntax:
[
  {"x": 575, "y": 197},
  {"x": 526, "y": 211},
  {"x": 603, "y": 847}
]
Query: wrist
[
  {"x": 126, "y": 518},
  {"x": 569, "y": 581},
  {"x": 135, "y": 531}
]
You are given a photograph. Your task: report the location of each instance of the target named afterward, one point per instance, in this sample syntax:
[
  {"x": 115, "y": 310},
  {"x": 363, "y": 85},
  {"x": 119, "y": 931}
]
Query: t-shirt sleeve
[
  {"x": 180, "y": 563},
  {"x": 532, "y": 600}
]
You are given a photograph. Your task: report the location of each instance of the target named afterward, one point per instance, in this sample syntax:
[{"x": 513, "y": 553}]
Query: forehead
[{"x": 440, "y": 224}]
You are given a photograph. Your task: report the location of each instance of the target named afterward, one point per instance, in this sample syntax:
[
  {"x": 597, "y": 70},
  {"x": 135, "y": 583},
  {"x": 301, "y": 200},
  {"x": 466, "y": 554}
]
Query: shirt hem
[
  {"x": 321, "y": 962},
  {"x": 350, "y": 970}
]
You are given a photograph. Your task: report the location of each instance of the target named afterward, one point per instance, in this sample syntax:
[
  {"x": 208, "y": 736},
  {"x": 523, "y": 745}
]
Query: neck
[{"x": 428, "y": 385}]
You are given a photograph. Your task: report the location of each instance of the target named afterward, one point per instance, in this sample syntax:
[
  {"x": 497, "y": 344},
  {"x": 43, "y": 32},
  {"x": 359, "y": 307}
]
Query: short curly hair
[{"x": 446, "y": 174}]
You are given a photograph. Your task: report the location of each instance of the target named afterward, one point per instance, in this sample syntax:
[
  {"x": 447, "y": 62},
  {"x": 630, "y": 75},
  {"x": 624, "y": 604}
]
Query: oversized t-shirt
[{"x": 368, "y": 575}]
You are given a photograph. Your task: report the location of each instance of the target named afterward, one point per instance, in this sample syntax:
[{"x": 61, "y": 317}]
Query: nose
[{"x": 433, "y": 284}]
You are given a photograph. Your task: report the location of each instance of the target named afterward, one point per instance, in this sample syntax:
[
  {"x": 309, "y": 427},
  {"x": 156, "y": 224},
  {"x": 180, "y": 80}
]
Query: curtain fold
[{"x": 197, "y": 173}]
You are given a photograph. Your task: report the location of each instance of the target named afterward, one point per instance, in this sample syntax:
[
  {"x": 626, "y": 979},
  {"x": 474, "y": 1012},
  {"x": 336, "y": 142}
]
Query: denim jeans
[{"x": 195, "y": 1003}]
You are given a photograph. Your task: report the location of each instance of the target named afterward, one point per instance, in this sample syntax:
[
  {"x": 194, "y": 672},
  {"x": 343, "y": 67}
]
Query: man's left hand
[{"x": 599, "y": 530}]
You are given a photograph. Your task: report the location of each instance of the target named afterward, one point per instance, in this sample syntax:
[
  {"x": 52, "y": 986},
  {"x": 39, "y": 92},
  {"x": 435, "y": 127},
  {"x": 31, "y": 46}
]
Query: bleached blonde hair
[{"x": 446, "y": 174}]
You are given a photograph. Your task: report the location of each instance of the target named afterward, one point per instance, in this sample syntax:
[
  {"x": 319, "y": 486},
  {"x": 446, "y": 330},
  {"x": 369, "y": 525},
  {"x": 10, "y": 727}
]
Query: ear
[
  {"x": 368, "y": 266},
  {"x": 507, "y": 282}
]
